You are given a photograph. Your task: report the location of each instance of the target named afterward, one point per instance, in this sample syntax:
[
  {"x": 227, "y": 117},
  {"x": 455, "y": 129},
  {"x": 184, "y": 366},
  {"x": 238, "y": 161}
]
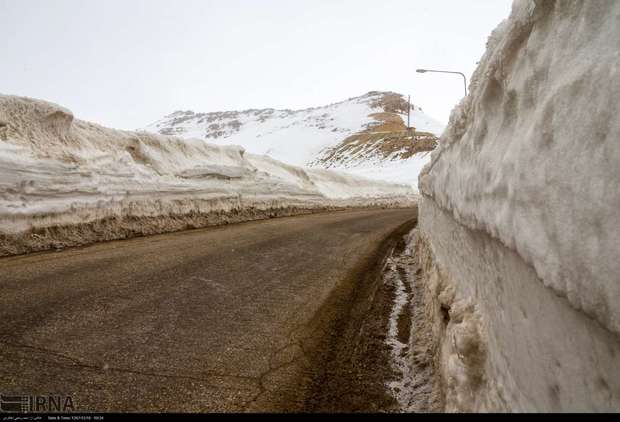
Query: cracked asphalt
[{"x": 246, "y": 317}]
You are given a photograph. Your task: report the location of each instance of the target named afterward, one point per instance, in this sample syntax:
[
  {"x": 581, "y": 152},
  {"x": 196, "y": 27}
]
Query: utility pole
[{"x": 408, "y": 111}]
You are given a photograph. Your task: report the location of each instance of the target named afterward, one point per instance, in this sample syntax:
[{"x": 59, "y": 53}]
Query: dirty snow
[
  {"x": 520, "y": 221},
  {"x": 506, "y": 342}
]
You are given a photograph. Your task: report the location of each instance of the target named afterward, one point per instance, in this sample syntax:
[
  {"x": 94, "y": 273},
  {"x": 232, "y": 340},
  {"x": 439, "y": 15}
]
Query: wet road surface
[{"x": 246, "y": 317}]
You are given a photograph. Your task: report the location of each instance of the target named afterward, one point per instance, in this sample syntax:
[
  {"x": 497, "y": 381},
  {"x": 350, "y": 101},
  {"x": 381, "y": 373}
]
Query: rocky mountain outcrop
[{"x": 519, "y": 234}]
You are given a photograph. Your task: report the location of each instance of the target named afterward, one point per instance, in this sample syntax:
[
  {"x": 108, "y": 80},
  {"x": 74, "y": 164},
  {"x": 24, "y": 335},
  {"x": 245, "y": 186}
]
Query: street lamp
[{"x": 446, "y": 71}]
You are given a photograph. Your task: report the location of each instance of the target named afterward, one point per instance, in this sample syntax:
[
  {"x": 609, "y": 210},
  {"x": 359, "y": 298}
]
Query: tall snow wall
[
  {"x": 519, "y": 226},
  {"x": 67, "y": 182}
]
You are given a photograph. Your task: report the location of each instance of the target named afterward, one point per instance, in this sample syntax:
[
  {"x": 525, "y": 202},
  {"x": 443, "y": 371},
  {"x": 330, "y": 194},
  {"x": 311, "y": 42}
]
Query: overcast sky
[{"x": 126, "y": 63}]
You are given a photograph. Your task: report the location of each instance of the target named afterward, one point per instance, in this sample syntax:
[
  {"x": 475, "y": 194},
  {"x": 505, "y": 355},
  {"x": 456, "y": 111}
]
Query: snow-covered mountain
[{"x": 365, "y": 135}]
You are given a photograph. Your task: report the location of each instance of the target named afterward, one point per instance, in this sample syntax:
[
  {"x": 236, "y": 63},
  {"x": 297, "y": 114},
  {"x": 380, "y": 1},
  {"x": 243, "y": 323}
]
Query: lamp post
[{"x": 446, "y": 71}]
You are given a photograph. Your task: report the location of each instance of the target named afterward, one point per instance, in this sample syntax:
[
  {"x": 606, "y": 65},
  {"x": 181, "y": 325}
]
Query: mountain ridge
[{"x": 323, "y": 136}]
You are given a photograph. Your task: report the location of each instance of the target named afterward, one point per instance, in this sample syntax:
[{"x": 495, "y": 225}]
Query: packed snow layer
[
  {"x": 507, "y": 343},
  {"x": 532, "y": 155},
  {"x": 65, "y": 182}
]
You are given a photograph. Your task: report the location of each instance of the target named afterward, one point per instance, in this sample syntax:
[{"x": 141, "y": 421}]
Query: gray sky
[{"x": 126, "y": 63}]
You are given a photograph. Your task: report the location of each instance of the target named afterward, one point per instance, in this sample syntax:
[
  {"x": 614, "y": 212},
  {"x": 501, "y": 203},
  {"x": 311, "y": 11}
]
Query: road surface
[{"x": 259, "y": 316}]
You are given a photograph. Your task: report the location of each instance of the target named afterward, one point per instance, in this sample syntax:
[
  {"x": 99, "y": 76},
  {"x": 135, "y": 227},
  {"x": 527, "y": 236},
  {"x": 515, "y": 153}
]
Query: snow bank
[
  {"x": 506, "y": 342},
  {"x": 67, "y": 182},
  {"x": 532, "y": 155},
  {"x": 520, "y": 220}
]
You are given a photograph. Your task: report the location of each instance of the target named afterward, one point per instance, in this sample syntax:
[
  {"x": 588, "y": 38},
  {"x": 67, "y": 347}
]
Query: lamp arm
[{"x": 455, "y": 73}]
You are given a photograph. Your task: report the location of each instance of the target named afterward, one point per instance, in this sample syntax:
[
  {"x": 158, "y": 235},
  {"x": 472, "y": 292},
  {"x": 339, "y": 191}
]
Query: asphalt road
[{"x": 247, "y": 317}]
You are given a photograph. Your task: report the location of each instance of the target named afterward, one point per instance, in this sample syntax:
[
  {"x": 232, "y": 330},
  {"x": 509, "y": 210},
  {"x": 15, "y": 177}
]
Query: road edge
[{"x": 350, "y": 347}]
